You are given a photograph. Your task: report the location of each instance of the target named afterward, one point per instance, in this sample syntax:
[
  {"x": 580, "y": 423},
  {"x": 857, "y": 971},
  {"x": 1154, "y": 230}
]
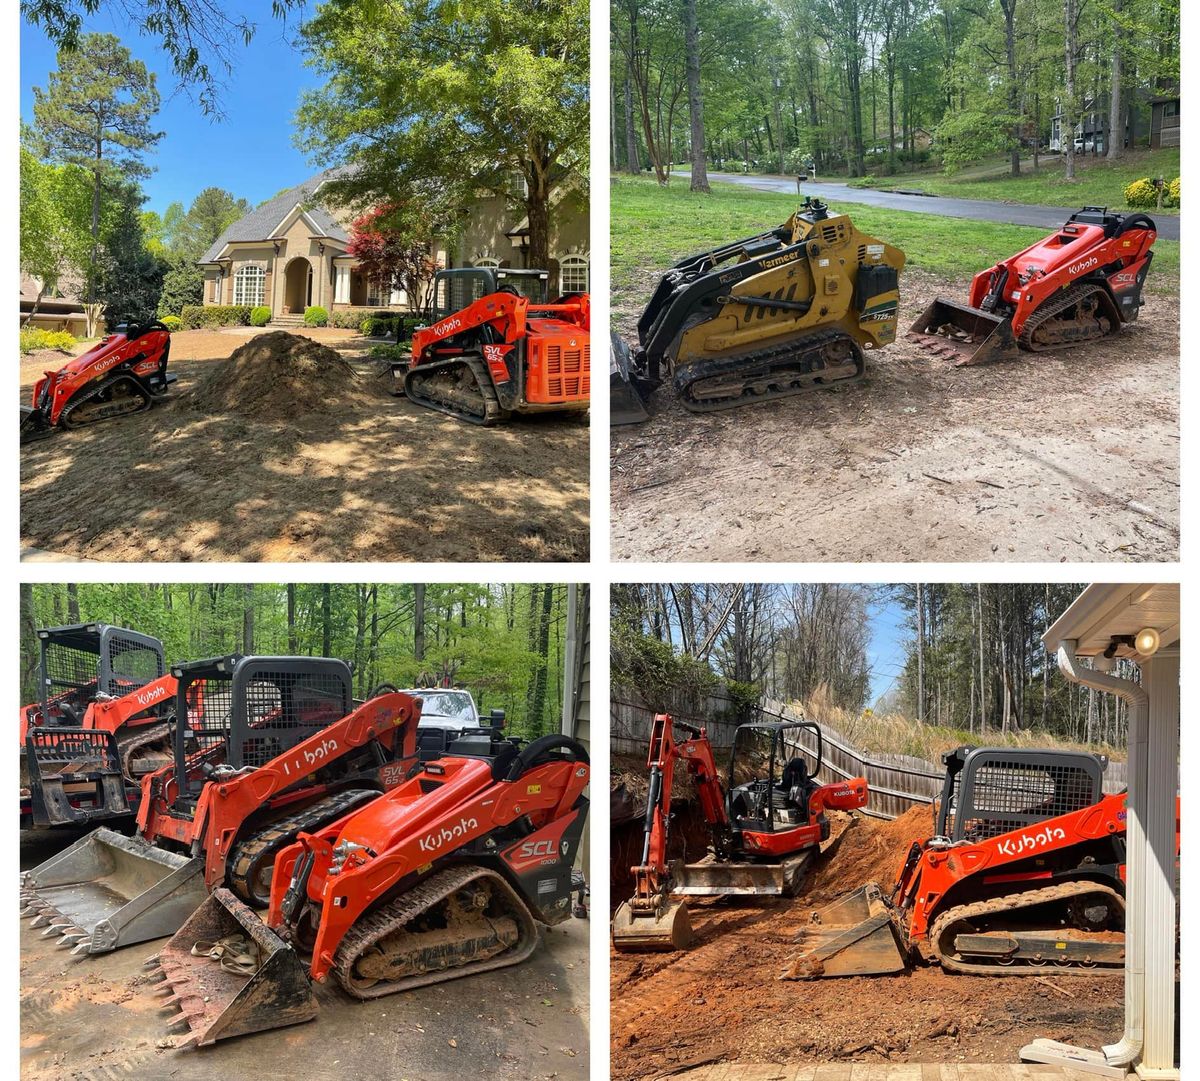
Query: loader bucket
[
  {"x": 108, "y": 890},
  {"x": 215, "y": 1000},
  {"x": 967, "y": 335},
  {"x": 625, "y": 404},
  {"x": 33, "y": 424},
  {"x": 855, "y": 936},
  {"x": 668, "y": 928}
]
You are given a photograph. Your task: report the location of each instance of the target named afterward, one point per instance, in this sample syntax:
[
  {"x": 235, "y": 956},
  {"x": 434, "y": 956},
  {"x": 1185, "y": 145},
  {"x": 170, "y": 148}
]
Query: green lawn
[
  {"x": 1097, "y": 182},
  {"x": 654, "y": 227}
]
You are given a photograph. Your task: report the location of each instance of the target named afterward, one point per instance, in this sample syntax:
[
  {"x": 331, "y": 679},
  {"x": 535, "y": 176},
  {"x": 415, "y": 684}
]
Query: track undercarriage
[{"x": 459, "y": 388}]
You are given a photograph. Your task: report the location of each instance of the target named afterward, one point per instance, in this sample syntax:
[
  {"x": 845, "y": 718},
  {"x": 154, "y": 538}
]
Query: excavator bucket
[
  {"x": 857, "y": 935},
  {"x": 625, "y": 404},
  {"x": 668, "y": 928},
  {"x": 966, "y": 335},
  {"x": 108, "y": 890},
  {"x": 228, "y": 974}
]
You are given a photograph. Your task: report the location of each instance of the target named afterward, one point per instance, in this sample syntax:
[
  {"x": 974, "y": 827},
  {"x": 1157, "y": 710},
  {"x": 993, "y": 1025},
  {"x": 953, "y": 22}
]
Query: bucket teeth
[
  {"x": 180, "y": 1027},
  {"x": 167, "y": 991},
  {"x": 156, "y": 977},
  {"x": 40, "y": 920},
  {"x": 83, "y": 947},
  {"x": 152, "y": 962}
]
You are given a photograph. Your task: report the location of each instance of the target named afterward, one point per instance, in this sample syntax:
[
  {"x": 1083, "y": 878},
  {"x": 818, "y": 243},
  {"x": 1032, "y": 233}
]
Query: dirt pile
[
  {"x": 872, "y": 850},
  {"x": 278, "y": 376}
]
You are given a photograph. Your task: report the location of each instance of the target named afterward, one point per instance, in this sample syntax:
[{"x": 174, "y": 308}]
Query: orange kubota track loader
[
  {"x": 265, "y": 747},
  {"x": 446, "y": 875},
  {"x": 766, "y": 825},
  {"x": 1026, "y": 869},
  {"x": 1077, "y": 285},
  {"x": 103, "y": 721},
  {"x": 123, "y": 373},
  {"x": 495, "y": 348}
]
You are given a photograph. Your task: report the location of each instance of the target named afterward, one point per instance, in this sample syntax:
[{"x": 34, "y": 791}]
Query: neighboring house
[
  {"x": 291, "y": 253},
  {"x": 1091, "y": 126},
  {"x": 59, "y": 309},
  {"x": 1164, "y": 121}
]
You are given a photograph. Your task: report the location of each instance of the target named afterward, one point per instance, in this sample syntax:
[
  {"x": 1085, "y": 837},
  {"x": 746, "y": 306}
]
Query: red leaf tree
[{"x": 394, "y": 246}]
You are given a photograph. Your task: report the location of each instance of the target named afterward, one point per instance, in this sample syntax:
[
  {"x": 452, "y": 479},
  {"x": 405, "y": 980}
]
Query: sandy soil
[
  {"x": 722, "y": 999},
  {"x": 395, "y": 482},
  {"x": 1037, "y": 459}
]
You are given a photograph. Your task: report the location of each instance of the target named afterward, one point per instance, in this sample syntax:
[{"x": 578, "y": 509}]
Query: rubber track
[
  {"x": 283, "y": 832},
  {"x": 64, "y": 418},
  {"x": 1069, "y": 296},
  {"x": 1007, "y": 904},
  {"x": 139, "y": 738},
  {"x": 690, "y": 374},
  {"x": 373, "y": 926},
  {"x": 483, "y": 379}
]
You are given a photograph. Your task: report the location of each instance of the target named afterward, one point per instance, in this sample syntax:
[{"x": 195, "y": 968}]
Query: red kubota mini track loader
[
  {"x": 448, "y": 874},
  {"x": 104, "y": 720},
  {"x": 495, "y": 348},
  {"x": 1079, "y": 284},
  {"x": 264, "y": 748},
  {"x": 766, "y": 824},
  {"x": 122, "y": 373}
]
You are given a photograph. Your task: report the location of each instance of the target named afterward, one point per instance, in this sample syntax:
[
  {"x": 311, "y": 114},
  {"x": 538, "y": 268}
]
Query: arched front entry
[{"x": 297, "y": 285}]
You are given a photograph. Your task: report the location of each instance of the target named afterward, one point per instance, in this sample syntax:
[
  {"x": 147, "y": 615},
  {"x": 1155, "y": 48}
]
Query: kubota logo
[
  {"x": 151, "y": 696},
  {"x": 1031, "y": 840},
  {"x": 446, "y": 834},
  {"x": 1082, "y": 265}
]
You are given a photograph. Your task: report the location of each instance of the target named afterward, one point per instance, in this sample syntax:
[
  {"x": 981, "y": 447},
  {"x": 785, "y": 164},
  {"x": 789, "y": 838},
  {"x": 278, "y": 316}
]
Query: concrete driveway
[{"x": 1044, "y": 217}]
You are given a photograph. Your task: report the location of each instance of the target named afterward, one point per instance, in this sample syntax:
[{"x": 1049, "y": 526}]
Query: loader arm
[{"x": 110, "y": 715}]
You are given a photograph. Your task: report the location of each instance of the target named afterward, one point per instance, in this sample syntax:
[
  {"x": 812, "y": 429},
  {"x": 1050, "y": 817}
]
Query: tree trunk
[
  {"x": 1116, "y": 129},
  {"x": 248, "y": 618},
  {"x": 537, "y": 207},
  {"x": 291, "y": 618},
  {"x": 633, "y": 164},
  {"x": 97, "y": 174},
  {"x": 31, "y": 654},
  {"x": 419, "y": 622},
  {"x": 36, "y": 302},
  {"x": 326, "y": 620},
  {"x": 1014, "y": 91},
  {"x": 1068, "y": 120},
  {"x": 920, "y": 654},
  {"x": 73, "y": 603},
  {"x": 699, "y": 180}
]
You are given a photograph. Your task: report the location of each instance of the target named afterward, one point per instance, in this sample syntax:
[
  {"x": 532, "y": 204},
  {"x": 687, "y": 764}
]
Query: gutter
[{"x": 1129, "y": 1048}]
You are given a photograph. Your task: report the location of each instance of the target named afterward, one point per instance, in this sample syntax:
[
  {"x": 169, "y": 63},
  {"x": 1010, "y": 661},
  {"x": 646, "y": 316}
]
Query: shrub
[
  {"x": 204, "y": 316},
  {"x": 1143, "y": 194},
  {"x": 172, "y": 322},
  {"x": 1174, "y": 193},
  {"x": 35, "y": 338},
  {"x": 392, "y": 351},
  {"x": 382, "y": 324},
  {"x": 260, "y": 316},
  {"x": 316, "y": 316}
]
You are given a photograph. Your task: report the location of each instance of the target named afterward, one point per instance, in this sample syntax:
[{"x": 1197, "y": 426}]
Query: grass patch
[
  {"x": 1097, "y": 182},
  {"x": 653, "y": 227}
]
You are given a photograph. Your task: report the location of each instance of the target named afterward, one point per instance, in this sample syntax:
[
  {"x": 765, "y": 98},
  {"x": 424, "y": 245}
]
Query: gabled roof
[{"x": 262, "y": 221}]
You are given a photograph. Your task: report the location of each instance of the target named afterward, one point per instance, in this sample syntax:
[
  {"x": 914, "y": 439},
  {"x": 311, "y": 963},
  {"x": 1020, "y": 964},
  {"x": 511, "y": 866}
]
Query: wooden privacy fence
[{"x": 897, "y": 781}]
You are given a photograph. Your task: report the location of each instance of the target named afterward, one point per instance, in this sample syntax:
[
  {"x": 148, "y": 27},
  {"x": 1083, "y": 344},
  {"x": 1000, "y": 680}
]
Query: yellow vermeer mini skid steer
[{"x": 766, "y": 317}]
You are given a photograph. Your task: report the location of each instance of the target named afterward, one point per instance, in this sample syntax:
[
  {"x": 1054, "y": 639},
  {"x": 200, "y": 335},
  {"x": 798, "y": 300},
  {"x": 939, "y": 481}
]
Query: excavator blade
[
  {"x": 229, "y": 974},
  {"x": 857, "y": 935},
  {"x": 108, "y": 890},
  {"x": 668, "y": 928},
  {"x": 964, "y": 334},
  {"x": 711, "y": 877}
]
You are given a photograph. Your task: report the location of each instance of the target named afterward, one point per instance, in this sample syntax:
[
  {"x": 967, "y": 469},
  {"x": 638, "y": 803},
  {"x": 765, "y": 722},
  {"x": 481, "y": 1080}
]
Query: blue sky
[
  {"x": 250, "y": 152},
  {"x": 886, "y": 651}
]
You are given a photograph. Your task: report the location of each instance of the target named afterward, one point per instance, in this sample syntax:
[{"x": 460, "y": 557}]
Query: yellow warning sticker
[{"x": 533, "y": 789}]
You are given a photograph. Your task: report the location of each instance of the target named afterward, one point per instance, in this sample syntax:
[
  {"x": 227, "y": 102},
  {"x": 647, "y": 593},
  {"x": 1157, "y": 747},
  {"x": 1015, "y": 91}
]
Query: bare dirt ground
[
  {"x": 386, "y": 481},
  {"x": 95, "y": 1019},
  {"x": 723, "y": 1001},
  {"x": 1073, "y": 456}
]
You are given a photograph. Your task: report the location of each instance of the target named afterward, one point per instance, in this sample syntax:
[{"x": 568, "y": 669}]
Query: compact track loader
[
  {"x": 448, "y": 874},
  {"x": 762, "y": 318},
  {"x": 104, "y": 720},
  {"x": 1025, "y": 869},
  {"x": 496, "y": 348},
  {"x": 1080, "y": 284},
  {"x": 265, "y": 747},
  {"x": 123, "y": 373},
  {"x": 766, "y": 824}
]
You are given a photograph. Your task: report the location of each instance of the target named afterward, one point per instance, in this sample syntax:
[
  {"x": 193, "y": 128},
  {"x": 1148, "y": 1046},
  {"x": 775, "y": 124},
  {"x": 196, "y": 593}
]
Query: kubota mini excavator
[
  {"x": 264, "y": 748},
  {"x": 1079, "y": 284},
  {"x": 495, "y": 348},
  {"x": 1026, "y": 869},
  {"x": 448, "y": 874},
  {"x": 766, "y": 825},
  {"x": 104, "y": 720},
  {"x": 122, "y": 373},
  {"x": 772, "y": 315}
]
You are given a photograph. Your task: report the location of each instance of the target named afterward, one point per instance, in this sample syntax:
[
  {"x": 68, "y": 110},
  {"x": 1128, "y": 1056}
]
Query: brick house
[{"x": 290, "y": 252}]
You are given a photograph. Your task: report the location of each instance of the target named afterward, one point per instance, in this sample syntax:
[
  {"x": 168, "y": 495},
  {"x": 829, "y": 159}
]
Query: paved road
[{"x": 1045, "y": 217}]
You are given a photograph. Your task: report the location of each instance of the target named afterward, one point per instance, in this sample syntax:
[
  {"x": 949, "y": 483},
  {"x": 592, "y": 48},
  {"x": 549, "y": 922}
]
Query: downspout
[{"x": 1129, "y": 1048}]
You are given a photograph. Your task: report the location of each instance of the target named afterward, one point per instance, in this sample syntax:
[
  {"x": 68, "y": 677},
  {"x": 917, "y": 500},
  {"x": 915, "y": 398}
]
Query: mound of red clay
[
  {"x": 278, "y": 376},
  {"x": 871, "y": 850}
]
